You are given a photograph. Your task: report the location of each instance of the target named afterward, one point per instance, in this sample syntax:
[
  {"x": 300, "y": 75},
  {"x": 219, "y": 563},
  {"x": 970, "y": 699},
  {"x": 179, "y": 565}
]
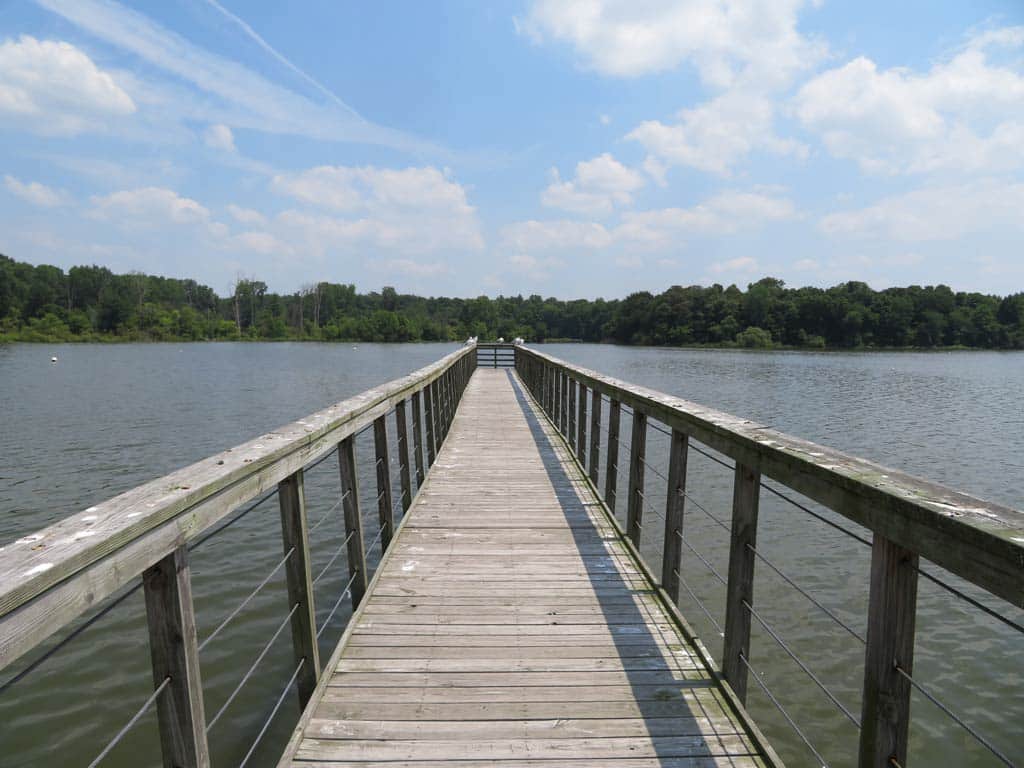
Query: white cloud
[
  {"x": 563, "y": 234},
  {"x": 726, "y": 40},
  {"x": 33, "y": 192},
  {"x": 598, "y": 186},
  {"x": 259, "y": 242},
  {"x": 53, "y": 88},
  {"x": 411, "y": 268},
  {"x": 148, "y": 207},
  {"x": 220, "y": 137},
  {"x": 806, "y": 265},
  {"x": 984, "y": 206},
  {"x": 742, "y": 265},
  {"x": 714, "y": 136},
  {"x": 246, "y": 215},
  {"x": 605, "y": 119},
  {"x": 964, "y": 114}
]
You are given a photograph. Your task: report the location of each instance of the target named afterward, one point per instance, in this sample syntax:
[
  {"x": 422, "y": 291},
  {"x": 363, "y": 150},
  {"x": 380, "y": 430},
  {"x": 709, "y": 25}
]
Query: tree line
[{"x": 90, "y": 303}]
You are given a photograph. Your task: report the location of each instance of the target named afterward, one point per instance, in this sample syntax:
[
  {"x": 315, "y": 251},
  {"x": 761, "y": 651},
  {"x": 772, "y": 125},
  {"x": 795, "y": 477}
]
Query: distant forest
[{"x": 89, "y": 303}]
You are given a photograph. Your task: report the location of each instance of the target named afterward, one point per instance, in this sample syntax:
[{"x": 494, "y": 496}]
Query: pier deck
[{"x": 509, "y": 625}]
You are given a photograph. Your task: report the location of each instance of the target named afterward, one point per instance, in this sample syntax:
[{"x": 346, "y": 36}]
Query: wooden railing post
[
  {"x": 563, "y": 406},
  {"x": 428, "y": 417},
  {"x": 740, "y": 589},
  {"x": 436, "y": 400},
  {"x": 353, "y": 522},
  {"x": 382, "y": 462},
  {"x": 611, "y": 475},
  {"x": 892, "y": 616},
  {"x": 402, "y": 430},
  {"x": 558, "y": 399},
  {"x": 637, "y": 455},
  {"x": 595, "y": 435},
  {"x": 570, "y": 413},
  {"x": 674, "y": 499},
  {"x": 417, "y": 437},
  {"x": 294, "y": 533},
  {"x": 581, "y": 427},
  {"x": 175, "y": 655}
]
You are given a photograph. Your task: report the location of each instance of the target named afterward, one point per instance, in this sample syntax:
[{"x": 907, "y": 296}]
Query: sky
[{"x": 581, "y": 148}]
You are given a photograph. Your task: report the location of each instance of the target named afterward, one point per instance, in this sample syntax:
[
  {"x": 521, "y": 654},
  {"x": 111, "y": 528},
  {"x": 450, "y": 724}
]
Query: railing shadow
[{"x": 667, "y": 683}]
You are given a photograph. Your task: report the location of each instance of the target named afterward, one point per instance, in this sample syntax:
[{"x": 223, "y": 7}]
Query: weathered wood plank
[
  {"x": 672, "y": 547},
  {"x": 740, "y": 587},
  {"x": 404, "y": 474},
  {"x": 637, "y": 491},
  {"x": 382, "y": 465},
  {"x": 417, "y": 438},
  {"x": 356, "y": 547}
]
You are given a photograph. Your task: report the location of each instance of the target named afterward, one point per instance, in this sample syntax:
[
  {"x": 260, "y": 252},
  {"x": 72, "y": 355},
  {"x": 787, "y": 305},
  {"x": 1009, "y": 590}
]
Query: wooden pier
[
  {"x": 511, "y": 620},
  {"x": 509, "y": 625}
]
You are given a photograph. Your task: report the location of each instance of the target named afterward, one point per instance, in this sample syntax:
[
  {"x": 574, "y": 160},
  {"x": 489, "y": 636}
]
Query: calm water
[{"x": 106, "y": 418}]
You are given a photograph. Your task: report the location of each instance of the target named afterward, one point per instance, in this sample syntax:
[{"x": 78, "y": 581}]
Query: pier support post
[
  {"x": 382, "y": 462},
  {"x": 428, "y": 417},
  {"x": 581, "y": 427},
  {"x": 175, "y": 655},
  {"x": 637, "y": 455},
  {"x": 417, "y": 437},
  {"x": 611, "y": 476},
  {"x": 595, "y": 435},
  {"x": 353, "y": 521},
  {"x": 674, "y": 501},
  {"x": 740, "y": 589},
  {"x": 570, "y": 414},
  {"x": 402, "y": 429},
  {"x": 294, "y": 535},
  {"x": 892, "y": 616}
]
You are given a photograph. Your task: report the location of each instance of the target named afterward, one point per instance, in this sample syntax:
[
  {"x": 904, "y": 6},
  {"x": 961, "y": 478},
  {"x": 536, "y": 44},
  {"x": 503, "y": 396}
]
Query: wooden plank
[
  {"x": 740, "y": 588},
  {"x": 404, "y": 478},
  {"x": 892, "y": 616},
  {"x": 637, "y": 490},
  {"x": 417, "y": 438},
  {"x": 175, "y": 656},
  {"x": 382, "y": 466},
  {"x": 295, "y": 538},
  {"x": 675, "y": 499},
  {"x": 356, "y": 548},
  {"x": 595, "y": 435},
  {"x": 611, "y": 476}
]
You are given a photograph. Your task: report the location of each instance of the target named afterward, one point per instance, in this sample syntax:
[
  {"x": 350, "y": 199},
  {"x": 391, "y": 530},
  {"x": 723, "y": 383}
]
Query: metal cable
[
  {"x": 785, "y": 714},
  {"x": 952, "y": 715},
  {"x": 652, "y": 468},
  {"x": 130, "y": 724},
  {"x": 806, "y": 594},
  {"x": 245, "y": 602},
  {"x": 804, "y": 667},
  {"x": 328, "y": 513},
  {"x": 203, "y": 539},
  {"x": 967, "y": 598},
  {"x": 814, "y": 514},
  {"x": 322, "y": 459},
  {"x": 711, "y": 456},
  {"x": 697, "y": 600},
  {"x": 710, "y": 567},
  {"x": 334, "y": 557},
  {"x": 341, "y": 597},
  {"x": 703, "y": 509},
  {"x": 273, "y": 713},
  {"x": 377, "y": 538},
  {"x": 248, "y": 674},
  {"x": 36, "y": 663}
]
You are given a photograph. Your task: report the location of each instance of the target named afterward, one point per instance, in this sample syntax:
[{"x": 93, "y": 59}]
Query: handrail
[
  {"x": 978, "y": 540},
  {"x": 909, "y": 518},
  {"x": 50, "y": 577}
]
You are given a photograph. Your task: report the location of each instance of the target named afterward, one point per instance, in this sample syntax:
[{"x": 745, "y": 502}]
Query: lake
[{"x": 108, "y": 417}]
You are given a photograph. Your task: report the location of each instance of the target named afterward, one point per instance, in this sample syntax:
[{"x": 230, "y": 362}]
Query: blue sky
[{"x": 578, "y": 148}]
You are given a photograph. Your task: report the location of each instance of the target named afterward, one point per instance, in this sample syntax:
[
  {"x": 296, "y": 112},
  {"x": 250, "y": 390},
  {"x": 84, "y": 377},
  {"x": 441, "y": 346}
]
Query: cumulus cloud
[
  {"x": 525, "y": 236},
  {"x": 220, "y": 137},
  {"x": 965, "y": 114},
  {"x": 148, "y": 207},
  {"x": 715, "y": 135},
  {"x": 741, "y": 265},
  {"x": 728, "y": 41},
  {"x": 946, "y": 212},
  {"x": 33, "y": 192},
  {"x": 53, "y": 88},
  {"x": 599, "y": 185},
  {"x": 246, "y": 215}
]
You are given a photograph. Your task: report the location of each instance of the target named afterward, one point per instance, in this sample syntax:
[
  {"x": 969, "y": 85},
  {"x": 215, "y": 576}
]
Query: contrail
[{"x": 258, "y": 39}]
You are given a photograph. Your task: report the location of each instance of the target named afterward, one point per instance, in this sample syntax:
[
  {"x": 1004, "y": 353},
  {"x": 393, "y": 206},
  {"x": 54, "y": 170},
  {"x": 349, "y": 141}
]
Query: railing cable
[
  {"x": 782, "y": 710},
  {"x": 273, "y": 713},
  {"x": 697, "y": 600},
  {"x": 334, "y": 557},
  {"x": 131, "y": 723},
  {"x": 330, "y": 511},
  {"x": 953, "y": 716},
  {"x": 337, "y": 603},
  {"x": 709, "y": 566},
  {"x": 322, "y": 459},
  {"x": 246, "y": 601},
  {"x": 206, "y": 537},
  {"x": 252, "y": 668},
  {"x": 800, "y": 663}
]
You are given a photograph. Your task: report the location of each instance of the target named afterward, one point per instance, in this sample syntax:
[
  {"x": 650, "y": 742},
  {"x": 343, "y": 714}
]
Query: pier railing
[
  {"x": 908, "y": 519},
  {"x": 142, "y": 539}
]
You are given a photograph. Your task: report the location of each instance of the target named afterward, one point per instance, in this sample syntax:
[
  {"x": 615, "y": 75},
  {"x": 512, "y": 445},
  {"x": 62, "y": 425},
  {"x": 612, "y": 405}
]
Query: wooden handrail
[{"x": 50, "y": 577}]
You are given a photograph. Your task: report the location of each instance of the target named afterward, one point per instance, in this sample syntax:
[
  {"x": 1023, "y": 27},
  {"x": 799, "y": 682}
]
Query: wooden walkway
[{"x": 509, "y": 626}]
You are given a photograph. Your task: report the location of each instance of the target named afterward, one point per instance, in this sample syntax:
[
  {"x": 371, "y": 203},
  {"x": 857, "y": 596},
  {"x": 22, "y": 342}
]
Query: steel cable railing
[
  {"x": 273, "y": 713},
  {"x": 232, "y": 520},
  {"x": 131, "y": 723},
  {"x": 337, "y": 603},
  {"x": 334, "y": 557}
]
